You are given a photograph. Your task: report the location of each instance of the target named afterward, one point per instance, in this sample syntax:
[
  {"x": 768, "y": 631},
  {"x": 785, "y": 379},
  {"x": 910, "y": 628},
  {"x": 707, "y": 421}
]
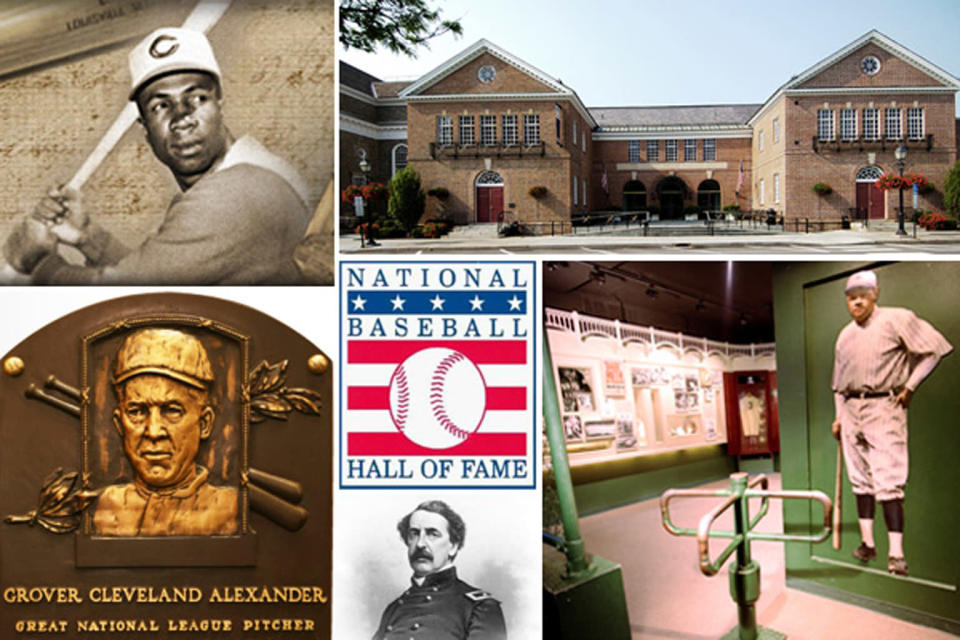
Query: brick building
[{"x": 488, "y": 127}]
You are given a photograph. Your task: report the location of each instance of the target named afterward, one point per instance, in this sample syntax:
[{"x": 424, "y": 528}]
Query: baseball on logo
[{"x": 437, "y": 397}]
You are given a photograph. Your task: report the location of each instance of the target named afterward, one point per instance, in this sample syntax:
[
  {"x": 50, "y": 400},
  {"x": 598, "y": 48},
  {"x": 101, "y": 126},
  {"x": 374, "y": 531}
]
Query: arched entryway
[
  {"x": 634, "y": 196},
  {"x": 489, "y": 188},
  {"x": 671, "y": 192},
  {"x": 708, "y": 195},
  {"x": 869, "y": 195}
]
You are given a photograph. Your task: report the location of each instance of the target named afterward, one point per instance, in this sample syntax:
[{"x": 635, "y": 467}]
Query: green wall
[
  {"x": 614, "y": 483},
  {"x": 809, "y": 313}
]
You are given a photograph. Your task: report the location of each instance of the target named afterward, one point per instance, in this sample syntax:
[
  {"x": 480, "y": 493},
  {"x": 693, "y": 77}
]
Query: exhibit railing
[{"x": 585, "y": 326}]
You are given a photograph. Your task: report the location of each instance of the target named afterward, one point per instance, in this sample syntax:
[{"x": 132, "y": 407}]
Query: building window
[
  {"x": 509, "y": 126},
  {"x": 689, "y": 150},
  {"x": 633, "y": 150},
  {"x": 575, "y": 132},
  {"x": 760, "y": 140},
  {"x": 531, "y": 129},
  {"x": 871, "y": 124},
  {"x": 761, "y": 191},
  {"x": 891, "y": 123},
  {"x": 653, "y": 150},
  {"x": 670, "y": 150},
  {"x": 399, "y": 159},
  {"x": 583, "y": 141},
  {"x": 574, "y": 189},
  {"x": 488, "y": 130},
  {"x": 825, "y": 125},
  {"x": 915, "y": 123},
  {"x": 710, "y": 149},
  {"x": 776, "y": 188},
  {"x": 444, "y": 130},
  {"x": 558, "y": 116},
  {"x": 848, "y": 124},
  {"x": 467, "y": 132},
  {"x": 776, "y": 130},
  {"x": 583, "y": 183}
]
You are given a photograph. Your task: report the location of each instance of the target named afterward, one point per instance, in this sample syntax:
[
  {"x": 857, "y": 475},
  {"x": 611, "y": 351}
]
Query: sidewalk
[{"x": 484, "y": 241}]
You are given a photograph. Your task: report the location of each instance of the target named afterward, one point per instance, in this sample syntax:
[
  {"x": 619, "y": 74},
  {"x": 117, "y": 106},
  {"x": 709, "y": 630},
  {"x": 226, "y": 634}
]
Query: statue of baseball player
[{"x": 881, "y": 358}]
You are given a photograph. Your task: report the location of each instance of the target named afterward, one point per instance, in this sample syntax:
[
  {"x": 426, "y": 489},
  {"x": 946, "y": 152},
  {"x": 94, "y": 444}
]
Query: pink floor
[{"x": 669, "y": 599}]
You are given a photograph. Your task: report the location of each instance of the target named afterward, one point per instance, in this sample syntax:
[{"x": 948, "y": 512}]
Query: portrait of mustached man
[{"x": 438, "y": 605}]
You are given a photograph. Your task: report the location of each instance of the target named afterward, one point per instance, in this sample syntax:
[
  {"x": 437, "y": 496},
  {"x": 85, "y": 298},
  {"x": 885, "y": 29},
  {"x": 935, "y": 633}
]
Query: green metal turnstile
[
  {"x": 745, "y": 574},
  {"x": 583, "y": 596}
]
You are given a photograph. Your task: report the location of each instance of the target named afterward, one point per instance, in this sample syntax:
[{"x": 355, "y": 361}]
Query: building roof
[
  {"x": 354, "y": 78},
  {"x": 390, "y": 89},
  {"x": 417, "y": 88},
  {"x": 950, "y": 82},
  {"x": 678, "y": 116}
]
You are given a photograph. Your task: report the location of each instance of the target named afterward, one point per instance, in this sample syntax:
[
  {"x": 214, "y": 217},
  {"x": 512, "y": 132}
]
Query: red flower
[
  {"x": 352, "y": 192},
  {"x": 375, "y": 191},
  {"x": 889, "y": 181}
]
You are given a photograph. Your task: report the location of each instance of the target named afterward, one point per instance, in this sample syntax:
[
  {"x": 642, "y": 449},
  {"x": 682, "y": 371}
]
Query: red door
[
  {"x": 869, "y": 200},
  {"x": 489, "y": 203}
]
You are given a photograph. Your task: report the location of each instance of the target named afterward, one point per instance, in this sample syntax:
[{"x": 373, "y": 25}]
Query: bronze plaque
[{"x": 166, "y": 471}]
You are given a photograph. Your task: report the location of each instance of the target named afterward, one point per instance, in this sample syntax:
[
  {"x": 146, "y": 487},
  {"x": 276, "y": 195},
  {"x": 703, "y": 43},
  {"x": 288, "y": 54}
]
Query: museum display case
[{"x": 628, "y": 390}]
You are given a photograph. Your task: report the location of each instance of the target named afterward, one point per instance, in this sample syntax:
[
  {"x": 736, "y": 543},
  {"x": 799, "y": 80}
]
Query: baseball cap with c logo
[{"x": 170, "y": 49}]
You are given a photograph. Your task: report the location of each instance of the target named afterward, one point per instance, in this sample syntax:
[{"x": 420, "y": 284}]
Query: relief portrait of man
[{"x": 162, "y": 381}]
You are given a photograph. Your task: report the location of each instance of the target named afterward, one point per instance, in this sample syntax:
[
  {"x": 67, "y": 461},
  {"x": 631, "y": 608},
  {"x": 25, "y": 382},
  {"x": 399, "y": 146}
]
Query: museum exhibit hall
[{"x": 718, "y": 435}]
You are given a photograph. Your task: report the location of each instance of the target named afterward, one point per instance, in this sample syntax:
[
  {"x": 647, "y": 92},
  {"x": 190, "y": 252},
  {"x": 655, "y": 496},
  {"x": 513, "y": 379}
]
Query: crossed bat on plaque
[{"x": 175, "y": 395}]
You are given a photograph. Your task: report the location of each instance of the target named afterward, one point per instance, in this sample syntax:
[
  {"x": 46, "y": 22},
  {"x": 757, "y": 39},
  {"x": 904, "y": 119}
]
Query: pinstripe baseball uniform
[{"x": 892, "y": 350}]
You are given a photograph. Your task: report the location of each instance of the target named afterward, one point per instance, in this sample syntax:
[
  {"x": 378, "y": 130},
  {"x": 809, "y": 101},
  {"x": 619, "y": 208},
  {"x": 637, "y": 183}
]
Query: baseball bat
[
  {"x": 289, "y": 516},
  {"x": 202, "y": 18},
  {"x": 289, "y": 490},
  {"x": 837, "y": 495}
]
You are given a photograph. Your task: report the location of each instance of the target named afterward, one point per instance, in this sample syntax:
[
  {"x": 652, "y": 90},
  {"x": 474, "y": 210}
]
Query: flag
[
  {"x": 439, "y": 369},
  {"x": 603, "y": 180},
  {"x": 740, "y": 178}
]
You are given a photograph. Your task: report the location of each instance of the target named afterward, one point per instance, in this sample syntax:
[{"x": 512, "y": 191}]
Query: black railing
[
  {"x": 477, "y": 150},
  {"x": 861, "y": 144}
]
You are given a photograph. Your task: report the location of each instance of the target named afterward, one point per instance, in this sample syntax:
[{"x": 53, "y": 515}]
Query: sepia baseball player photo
[
  {"x": 243, "y": 185},
  {"x": 882, "y": 356}
]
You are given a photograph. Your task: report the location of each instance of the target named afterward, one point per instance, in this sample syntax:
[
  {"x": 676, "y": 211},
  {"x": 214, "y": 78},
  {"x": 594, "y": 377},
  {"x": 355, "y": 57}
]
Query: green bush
[
  {"x": 732, "y": 207},
  {"x": 407, "y": 200},
  {"x": 951, "y": 190},
  {"x": 822, "y": 189},
  {"x": 391, "y": 228}
]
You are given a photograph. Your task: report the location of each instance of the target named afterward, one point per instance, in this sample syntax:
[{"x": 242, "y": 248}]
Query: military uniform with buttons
[{"x": 442, "y": 608}]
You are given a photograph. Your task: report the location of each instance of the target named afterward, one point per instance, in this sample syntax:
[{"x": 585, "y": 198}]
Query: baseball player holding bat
[
  {"x": 881, "y": 358},
  {"x": 239, "y": 217}
]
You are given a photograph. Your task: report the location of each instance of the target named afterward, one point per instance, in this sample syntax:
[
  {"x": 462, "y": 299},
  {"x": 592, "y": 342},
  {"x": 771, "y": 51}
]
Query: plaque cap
[
  {"x": 861, "y": 280},
  {"x": 165, "y": 352},
  {"x": 170, "y": 49}
]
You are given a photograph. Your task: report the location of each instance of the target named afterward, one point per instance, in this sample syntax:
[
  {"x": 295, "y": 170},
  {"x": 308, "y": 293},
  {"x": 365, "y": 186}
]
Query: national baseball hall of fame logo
[{"x": 438, "y": 385}]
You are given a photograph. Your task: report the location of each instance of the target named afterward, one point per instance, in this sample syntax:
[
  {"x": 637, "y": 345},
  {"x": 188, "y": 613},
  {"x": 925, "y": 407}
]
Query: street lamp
[
  {"x": 900, "y": 153},
  {"x": 366, "y": 235}
]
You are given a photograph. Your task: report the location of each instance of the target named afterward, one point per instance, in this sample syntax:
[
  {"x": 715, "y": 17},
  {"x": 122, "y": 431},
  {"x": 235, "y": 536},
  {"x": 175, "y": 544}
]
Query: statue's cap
[{"x": 165, "y": 352}]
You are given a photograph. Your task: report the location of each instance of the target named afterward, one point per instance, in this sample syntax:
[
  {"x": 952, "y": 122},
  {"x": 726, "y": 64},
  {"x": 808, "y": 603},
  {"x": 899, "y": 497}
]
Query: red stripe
[
  {"x": 396, "y": 351},
  {"x": 396, "y": 444},
  {"x": 378, "y": 398}
]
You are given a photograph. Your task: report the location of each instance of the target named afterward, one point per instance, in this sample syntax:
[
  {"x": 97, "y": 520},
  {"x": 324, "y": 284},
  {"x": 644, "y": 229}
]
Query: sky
[{"x": 628, "y": 53}]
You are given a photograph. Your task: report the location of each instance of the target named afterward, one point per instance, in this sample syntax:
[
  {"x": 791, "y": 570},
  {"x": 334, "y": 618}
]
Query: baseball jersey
[
  {"x": 239, "y": 224},
  {"x": 196, "y": 509},
  {"x": 893, "y": 349}
]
